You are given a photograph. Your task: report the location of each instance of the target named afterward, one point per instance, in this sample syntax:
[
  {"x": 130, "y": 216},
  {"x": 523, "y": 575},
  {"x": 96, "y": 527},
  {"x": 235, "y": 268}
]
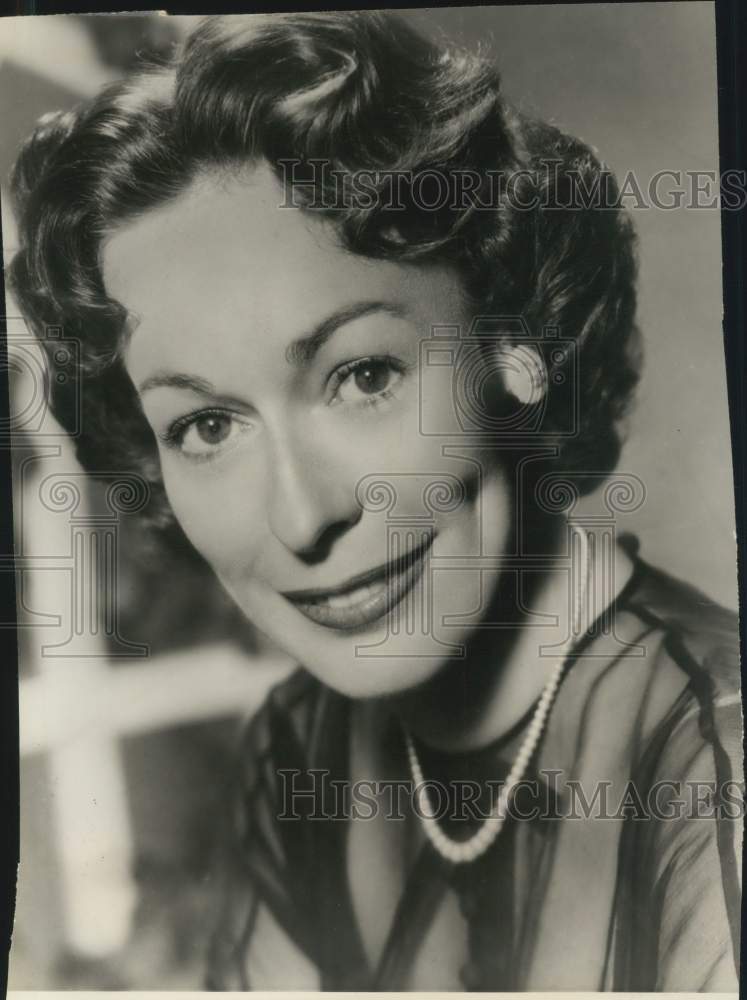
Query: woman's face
[{"x": 284, "y": 380}]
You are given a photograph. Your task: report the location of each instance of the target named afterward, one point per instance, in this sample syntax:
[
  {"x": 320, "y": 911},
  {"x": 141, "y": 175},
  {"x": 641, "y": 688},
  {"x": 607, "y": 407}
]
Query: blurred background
[{"x": 127, "y": 733}]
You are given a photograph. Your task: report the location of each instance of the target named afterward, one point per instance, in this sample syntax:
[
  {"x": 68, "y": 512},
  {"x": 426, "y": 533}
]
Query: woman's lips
[{"x": 366, "y": 598}]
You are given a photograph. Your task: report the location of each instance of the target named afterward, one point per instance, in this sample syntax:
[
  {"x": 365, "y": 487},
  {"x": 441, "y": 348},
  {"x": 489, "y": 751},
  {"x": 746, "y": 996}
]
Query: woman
[{"x": 340, "y": 305}]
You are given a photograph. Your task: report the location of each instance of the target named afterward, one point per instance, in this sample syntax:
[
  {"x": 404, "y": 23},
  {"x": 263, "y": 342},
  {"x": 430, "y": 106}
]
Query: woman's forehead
[
  {"x": 226, "y": 235},
  {"x": 227, "y": 258},
  {"x": 218, "y": 226}
]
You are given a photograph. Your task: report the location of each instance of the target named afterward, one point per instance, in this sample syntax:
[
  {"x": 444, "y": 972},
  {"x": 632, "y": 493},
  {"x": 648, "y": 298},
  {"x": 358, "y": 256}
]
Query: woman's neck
[{"x": 473, "y": 701}]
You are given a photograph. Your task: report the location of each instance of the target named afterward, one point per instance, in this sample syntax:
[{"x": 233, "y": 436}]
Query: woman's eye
[
  {"x": 204, "y": 434},
  {"x": 367, "y": 381}
]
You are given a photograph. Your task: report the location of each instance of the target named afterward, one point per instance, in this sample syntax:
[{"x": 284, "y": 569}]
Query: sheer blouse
[{"x": 617, "y": 869}]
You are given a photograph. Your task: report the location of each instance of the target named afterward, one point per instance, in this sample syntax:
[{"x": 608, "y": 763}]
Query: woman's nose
[{"x": 310, "y": 503}]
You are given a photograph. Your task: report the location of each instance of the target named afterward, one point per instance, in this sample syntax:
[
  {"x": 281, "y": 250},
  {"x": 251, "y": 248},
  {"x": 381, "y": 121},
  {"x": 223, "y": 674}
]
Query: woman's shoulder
[
  {"x": 688, "y": 692},
  {"x": 663, "y": 676},
  {"x": 697, "y": 633},
  {"x": 682, "y": 868}
]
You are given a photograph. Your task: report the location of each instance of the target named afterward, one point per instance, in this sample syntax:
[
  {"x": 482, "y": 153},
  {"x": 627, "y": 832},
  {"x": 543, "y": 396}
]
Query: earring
[{"x": 524, "y": 373}]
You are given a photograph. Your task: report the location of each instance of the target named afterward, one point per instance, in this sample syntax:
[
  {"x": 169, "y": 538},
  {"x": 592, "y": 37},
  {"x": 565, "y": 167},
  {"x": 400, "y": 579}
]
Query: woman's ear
[{"x": 524, "y": 372}]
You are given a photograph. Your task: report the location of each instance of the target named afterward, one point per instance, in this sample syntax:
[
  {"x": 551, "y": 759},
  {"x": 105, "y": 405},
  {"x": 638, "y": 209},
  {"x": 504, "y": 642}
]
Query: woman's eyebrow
[
  {"x": 177, "y": 380},
  {"x": 299, "y": 353},
  {"x": 302, "y": 351}
]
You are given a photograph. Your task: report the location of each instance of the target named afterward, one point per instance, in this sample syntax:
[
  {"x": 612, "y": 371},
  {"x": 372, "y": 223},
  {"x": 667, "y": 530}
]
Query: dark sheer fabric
[{"x": 624, "y": 875}]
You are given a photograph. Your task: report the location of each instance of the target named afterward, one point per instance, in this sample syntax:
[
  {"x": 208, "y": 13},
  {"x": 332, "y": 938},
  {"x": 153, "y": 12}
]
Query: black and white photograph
[{"x": 373, "y": 505}]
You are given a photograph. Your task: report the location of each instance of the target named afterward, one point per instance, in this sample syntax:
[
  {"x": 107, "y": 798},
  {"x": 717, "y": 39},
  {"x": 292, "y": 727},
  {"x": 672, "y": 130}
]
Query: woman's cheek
[
  {"x": 219, "y": 508},
  {"x": 386, "y": 440}
]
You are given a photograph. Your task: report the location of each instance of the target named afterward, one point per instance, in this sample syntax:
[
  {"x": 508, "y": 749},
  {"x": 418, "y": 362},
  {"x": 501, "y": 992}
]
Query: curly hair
[{"x": 359, "y": 91}]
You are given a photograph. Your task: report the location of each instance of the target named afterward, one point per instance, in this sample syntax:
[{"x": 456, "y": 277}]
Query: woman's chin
[
  {"x": 373, "y": 661},
  {"x": 371, "y": 676},
  {"x": 368, "y": 662}
]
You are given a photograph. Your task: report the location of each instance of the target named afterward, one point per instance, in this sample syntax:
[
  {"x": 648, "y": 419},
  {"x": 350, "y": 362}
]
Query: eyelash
[
  {"x": 339, "y": 376},
  {"x": 174, "y": 435}
]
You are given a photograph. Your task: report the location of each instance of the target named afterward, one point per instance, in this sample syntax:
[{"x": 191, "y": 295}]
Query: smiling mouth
[{"x": 366, "y": 598}]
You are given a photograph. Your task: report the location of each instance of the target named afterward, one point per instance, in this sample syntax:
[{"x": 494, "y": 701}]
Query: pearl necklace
[{"x": 462, "y": 852}]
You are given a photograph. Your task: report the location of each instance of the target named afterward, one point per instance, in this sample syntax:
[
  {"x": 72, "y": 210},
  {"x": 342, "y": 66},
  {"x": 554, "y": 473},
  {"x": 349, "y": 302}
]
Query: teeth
[
  {"x": 353, "y": 598},
  {"x": 343, "y": 602}
]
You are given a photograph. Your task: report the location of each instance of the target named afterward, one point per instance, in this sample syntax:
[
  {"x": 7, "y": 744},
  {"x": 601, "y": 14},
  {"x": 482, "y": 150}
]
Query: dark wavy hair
[{"x": 361, "y": 91}]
